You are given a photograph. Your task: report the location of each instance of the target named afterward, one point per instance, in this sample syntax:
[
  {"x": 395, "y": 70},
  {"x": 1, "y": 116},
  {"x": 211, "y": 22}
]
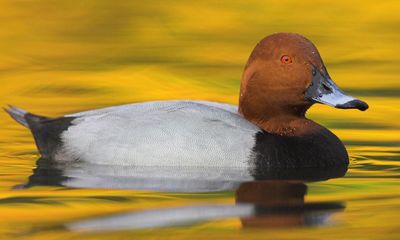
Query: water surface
[{"x": 62, "y": 57}]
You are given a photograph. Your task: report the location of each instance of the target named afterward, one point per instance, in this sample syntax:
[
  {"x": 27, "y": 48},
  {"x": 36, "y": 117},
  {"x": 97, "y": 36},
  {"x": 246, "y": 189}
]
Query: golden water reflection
[{"x": 61, "y": 57}]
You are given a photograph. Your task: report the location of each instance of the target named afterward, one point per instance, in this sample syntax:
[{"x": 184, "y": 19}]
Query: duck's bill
[{"x": 324, "y": 90}]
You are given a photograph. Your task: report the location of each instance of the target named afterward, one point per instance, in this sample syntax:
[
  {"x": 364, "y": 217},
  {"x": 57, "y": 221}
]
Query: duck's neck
[
  {"x": 287, "y": 125},
  {"x": 284, "y": 123},
  {"x": 275, "y": 108}
]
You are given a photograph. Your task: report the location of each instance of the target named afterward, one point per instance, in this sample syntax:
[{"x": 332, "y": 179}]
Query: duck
[{"x": 267, "y": 132}]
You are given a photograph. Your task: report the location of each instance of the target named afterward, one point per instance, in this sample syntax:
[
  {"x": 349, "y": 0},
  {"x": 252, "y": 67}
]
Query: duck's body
[
  {"x": 178, "y": 134},
  {"x": 163, "y": 133},
  {"x": 282, "y": 79}
]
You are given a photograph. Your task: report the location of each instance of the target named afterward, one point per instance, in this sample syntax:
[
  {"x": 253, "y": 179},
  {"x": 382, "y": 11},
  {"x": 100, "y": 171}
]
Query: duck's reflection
[
  {"x": 282, "y": 204},
  {"x": 172, "y": 179},
  {"x": 266, "y": 204},
  {"x": 277, "y": 200}
]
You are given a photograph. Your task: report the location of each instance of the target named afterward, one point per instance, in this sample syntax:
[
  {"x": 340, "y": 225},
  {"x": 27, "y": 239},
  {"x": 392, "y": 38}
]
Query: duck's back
[{"x": 165, "y": 133}]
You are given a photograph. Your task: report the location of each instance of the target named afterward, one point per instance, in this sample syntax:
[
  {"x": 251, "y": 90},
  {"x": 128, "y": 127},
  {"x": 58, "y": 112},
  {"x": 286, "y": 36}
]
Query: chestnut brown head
[{"x": 284, "y": 76}]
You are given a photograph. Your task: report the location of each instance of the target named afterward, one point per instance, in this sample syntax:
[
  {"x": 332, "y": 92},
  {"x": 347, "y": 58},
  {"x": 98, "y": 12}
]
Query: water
[{"x": 63, "y": 57}]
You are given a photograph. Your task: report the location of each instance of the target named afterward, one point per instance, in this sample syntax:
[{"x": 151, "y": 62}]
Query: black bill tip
[{"x": 358, "y": 104}]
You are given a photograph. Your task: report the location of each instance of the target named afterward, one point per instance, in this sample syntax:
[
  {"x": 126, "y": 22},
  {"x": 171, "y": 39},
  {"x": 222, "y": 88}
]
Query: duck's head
[{"x": 283, "y": 77}]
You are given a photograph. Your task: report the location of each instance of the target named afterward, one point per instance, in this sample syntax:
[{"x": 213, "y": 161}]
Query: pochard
[{"x": 283, "y": 77}]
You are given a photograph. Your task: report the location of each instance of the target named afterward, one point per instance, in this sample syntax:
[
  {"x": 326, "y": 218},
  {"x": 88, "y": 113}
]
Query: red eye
[{"x": 285, "y": 59}]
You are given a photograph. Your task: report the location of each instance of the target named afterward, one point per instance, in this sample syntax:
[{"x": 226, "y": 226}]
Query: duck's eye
[{"x": 285, "y": 59}]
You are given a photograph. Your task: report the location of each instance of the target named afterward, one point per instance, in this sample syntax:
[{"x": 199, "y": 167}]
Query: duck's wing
[
  {"x": 154, "y": 106},
  {"x": 167, "y": 133}
]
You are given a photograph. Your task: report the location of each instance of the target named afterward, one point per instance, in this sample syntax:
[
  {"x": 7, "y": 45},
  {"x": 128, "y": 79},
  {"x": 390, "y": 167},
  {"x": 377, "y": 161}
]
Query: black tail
[
  {"x": 18, "y": 115},
  {"x": 23, "y": 117},
  {"x": 46, "y": 131}
]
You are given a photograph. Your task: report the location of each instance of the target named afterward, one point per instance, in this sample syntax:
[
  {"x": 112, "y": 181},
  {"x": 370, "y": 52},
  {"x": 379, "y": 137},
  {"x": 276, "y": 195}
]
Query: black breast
[{"x": 317, "y": 156}]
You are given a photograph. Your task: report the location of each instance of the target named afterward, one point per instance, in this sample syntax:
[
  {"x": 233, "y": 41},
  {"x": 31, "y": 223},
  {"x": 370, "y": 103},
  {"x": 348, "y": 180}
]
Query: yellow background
[{"x": 58, "y": 57}]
